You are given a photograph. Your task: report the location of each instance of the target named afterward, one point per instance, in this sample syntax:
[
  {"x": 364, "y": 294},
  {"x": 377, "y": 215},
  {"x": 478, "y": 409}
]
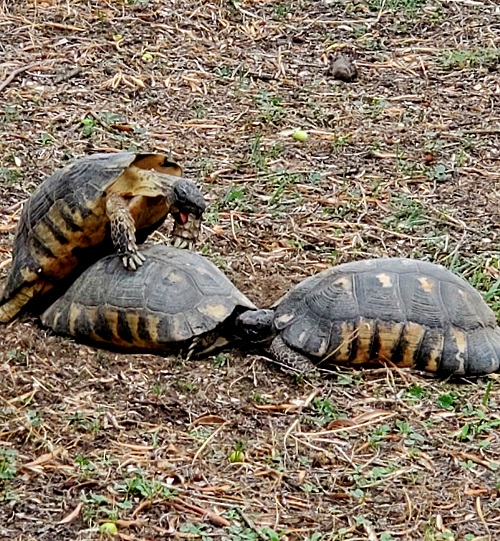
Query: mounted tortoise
[
  {"x": 178, "y": 301},
  {"x": 88, "y": 207},
  {"x": 410, "y": 313}
]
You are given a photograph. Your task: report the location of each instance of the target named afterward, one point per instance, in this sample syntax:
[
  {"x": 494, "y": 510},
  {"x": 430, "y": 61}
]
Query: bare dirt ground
[{"x": 403, "y": 161}]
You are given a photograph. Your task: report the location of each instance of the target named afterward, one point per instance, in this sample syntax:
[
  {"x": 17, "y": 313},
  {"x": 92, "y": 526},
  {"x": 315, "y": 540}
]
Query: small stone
[{"x": 343, "y": 69}]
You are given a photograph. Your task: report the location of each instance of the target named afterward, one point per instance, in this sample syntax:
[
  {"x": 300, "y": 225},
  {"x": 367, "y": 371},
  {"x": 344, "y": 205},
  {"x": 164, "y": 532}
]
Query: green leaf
[{"x": 446, "y": 401}]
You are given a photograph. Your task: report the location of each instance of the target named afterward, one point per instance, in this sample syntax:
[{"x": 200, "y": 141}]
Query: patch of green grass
[
  {"x": 260, "y": 399},
  {"x": 340, "y": 141},
  {"x": 281, "y": 10},
  {"x": 439, "y": 173},
  {"x": 446, "y": 401},
  {"x": 408, "y": 213},
  {"x": 325, "y": 410},
  {"x": 46, "y": 139},
  {"x": 238, "y": 532},
  {"x": 257, "y": 155},
  {"x": 236, "y": 198},
  {"x": 157, "y": 388},
  {"x": 184, "y": 385},
  {"x": 33, "y": 418},
  {"x": 138, "y": 485},
  {"x": 283, "y": 180},
  {"x": 309, "y": 488},
  {"x": 82, "y": 422},
  {"x": 8, "y": 463},
  {"x": 11, "y": 113},
  {"x": 374, "y": 476},
  {"x": 196, "y": 531},
  {"x": 378, "y": 435},
  {"x": 372, "y": 107},
  {"x": 88, "y": 126},
  {"x": 410, "y": 436},
  {"x": 416, "y": 391},
  {"x": 86, "y": 465},
  {"x": 487, "y": 285},
  {"x": 408, "y": 7},
  {"x": 200, "y": 111},
  {"x": 9, "y": 176},
  {"x": 478, "y": 425},
  {"x": 97, "y": 507},
  {"x": 453, "y": 59},
  {"x": 221, "y": 360},
  {"x": 270, "y": 106}
]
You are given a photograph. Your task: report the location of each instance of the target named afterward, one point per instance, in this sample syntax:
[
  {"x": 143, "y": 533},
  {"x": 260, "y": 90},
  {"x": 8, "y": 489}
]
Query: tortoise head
[
  {"x": 187, "y": 201},
  {"x": 187, "y": 208},
  {"x": 255, "y": 326}
]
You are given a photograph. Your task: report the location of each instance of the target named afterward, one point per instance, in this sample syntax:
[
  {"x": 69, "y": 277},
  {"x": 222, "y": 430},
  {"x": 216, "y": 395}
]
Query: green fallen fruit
[
  {"x": 108, "y": 528},
  {"x": 300, "y": 135}
]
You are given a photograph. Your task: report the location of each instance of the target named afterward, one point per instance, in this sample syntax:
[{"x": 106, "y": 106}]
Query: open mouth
[{"x": 181, "y": 217}]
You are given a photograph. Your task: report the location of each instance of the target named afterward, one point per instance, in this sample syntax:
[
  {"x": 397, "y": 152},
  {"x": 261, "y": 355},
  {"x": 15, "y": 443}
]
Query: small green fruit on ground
[
  {"x": 108, "y": 528},
  {"x": 300, "y": 135}
]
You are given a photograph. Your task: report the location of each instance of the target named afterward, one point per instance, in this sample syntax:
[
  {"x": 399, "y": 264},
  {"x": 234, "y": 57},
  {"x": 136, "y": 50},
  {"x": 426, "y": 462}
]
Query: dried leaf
[{"x": 73, "y": 515}]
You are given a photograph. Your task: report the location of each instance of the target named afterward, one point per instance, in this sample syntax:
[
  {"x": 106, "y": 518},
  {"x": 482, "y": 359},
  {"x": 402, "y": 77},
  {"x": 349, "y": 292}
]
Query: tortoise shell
[
  {"x": 177, "y": 300},
  {"x": 408, "y": 312},
  {"x": 66, "y": 215}
]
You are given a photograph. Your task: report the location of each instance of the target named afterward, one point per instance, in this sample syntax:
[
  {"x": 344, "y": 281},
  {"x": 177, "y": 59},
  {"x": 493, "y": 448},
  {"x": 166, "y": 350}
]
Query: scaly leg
[
  {"x": 123, "y": 232},
  {"x": 291, "y": 360}
]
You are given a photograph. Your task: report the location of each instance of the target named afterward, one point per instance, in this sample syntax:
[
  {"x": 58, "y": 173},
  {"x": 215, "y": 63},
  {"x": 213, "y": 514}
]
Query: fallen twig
[
  {"x": 210, "y": 515},
  {"x": 16, "y": 72}
]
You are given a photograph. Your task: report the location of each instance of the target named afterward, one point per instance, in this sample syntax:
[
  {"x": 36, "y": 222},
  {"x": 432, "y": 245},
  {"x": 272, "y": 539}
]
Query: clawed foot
[
  {"x": 185, "y": 235},
  {"x": 133, "y": 260},
  {"x": 179, "y": 242}
]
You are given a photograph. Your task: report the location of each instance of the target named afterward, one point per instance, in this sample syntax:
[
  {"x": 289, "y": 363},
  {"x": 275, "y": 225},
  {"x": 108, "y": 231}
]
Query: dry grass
[{"x": 404, "y": 161}]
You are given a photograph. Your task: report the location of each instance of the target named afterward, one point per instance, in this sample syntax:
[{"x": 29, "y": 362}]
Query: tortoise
[
  {"x": 410, "y": 313},
  {"x": 177, "y": 302},
  {"x": 91, "y": 207}
]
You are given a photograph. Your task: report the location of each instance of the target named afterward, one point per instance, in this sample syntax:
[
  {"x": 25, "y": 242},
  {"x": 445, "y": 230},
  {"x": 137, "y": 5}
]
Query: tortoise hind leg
[
  {"x": 11, "y": 306},
  {"x": 289, "y": 359},
  {"x": 123, "y": 232}
]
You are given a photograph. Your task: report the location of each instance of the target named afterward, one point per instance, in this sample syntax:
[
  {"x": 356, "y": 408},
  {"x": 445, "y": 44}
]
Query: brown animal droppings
[{"x": 343, "y": 68}]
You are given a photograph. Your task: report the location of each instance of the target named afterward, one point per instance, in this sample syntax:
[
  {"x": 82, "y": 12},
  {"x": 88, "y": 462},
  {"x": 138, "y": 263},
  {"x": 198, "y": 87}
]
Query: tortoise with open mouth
[{"x": 94, "y": 206}]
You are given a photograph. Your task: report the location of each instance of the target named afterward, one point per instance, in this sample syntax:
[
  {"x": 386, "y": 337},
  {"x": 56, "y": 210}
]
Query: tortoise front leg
[
  {"x": 289, "y": 359},
  {"x": 123, "y": 232}
]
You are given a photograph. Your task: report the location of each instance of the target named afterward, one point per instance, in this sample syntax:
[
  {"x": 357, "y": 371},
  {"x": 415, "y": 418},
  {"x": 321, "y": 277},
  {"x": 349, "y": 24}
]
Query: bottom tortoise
[
  {"x": 177, "y": 301},
  {"x": 407, "y": 312}
]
